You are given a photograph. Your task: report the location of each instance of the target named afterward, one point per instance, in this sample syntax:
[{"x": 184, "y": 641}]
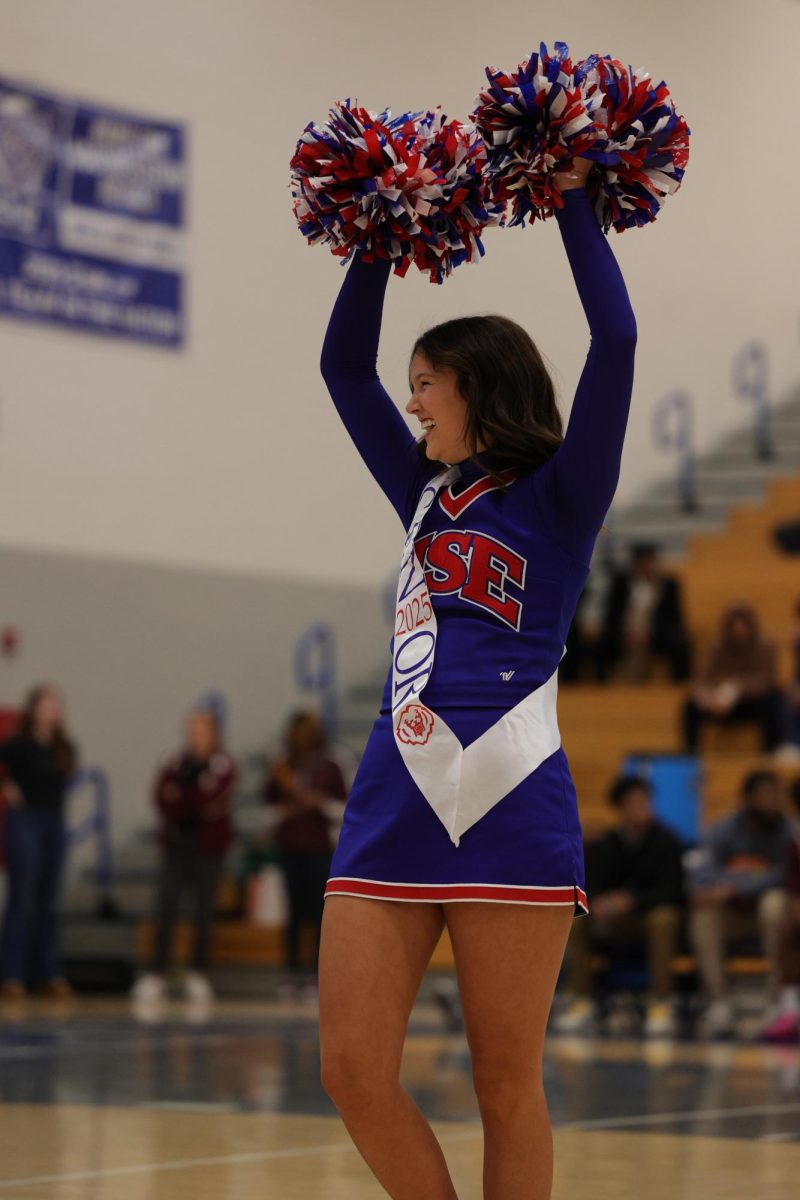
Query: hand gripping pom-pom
[
  {"x": 642, "y": 145},
  {"x": 407, "y": 189},
  {"x": 534, "y": 121}
]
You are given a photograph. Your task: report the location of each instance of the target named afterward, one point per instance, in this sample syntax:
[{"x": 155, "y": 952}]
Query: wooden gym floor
[{"x": 96, "y": 1106}]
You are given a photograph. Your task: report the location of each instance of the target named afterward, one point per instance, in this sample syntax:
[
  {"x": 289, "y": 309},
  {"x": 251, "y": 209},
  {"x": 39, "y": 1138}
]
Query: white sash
[{"x": 461, "y": 785}]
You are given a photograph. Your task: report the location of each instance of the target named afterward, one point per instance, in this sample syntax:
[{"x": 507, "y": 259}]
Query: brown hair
[
  {"x": 511, "y": 404},
  {"x": 740, "y": 608},
  {"x": 318, "y": 740},
  {"x": 61, "y": 744}
]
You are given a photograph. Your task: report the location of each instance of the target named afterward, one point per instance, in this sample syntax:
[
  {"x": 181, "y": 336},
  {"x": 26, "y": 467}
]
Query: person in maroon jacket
[
  {"x": 307, "y": 785},
  {"x": 193, "y": 794}
]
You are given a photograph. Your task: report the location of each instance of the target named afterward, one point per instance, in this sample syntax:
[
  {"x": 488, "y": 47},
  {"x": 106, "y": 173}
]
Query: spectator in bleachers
[
  {"x": 739, "y": 682},
  {"x": 582, "y": 660},
  {"x": 634, "y": 878},
  {"x": 791, "y": 732},
  {"x": 307, "y": 784},
  {"x": 643, "y": 620},
  {"x": 38, "y": 760},
  {"x": 193, "y": 795},
  {"x": 785, "y": 1025},
  {"x": 738, "y": 891}
]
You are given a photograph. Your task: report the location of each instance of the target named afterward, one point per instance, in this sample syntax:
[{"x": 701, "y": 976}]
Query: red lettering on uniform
[
  {"x": 421, "y": 545},
  {"x": 492, "y": 565},
  {"x": 446, "y": 561},
  {"x": 476, "y": 567}
]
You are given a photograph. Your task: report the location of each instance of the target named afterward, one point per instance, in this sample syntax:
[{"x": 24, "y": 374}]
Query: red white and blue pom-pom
[
  {"x": 407, "y": 189},
  {"x": 534, "y": 121},
  {"x": 460, "y": 205},
  {"x": 642, "y": 146},
  {"x": 538, "y": 118}
]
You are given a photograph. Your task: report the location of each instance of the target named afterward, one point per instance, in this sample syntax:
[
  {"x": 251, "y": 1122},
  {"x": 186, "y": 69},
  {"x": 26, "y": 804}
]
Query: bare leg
[
  {"x": 508, "y": 958},
  {"x": 373, "y": 956}
]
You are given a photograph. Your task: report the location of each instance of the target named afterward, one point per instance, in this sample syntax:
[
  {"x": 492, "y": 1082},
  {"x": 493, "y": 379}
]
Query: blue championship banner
[{"x": 91, "y": 217}]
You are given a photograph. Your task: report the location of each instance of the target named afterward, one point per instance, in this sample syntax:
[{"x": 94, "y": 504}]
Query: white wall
[
  {"x": 229, "y": 455},
  {"x": 133, "y": 646}
]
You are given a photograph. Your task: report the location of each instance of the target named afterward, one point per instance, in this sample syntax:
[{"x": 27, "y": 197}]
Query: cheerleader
[{"x": 463, "y": 812}]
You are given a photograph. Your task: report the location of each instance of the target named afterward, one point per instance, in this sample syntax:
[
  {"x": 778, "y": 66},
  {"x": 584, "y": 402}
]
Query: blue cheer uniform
[{"x": 504, "y": 568}]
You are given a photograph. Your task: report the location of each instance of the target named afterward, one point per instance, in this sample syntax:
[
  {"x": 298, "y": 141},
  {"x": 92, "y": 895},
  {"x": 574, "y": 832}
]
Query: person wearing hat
[{"x": 192, "y": 794}]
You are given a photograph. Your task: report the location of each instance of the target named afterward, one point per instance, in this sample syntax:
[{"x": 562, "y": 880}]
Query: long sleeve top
[
  {"x": 736, "y": 852},
  {"x": 35, "y": 769},
  {"x": 504, "y": 567},
  {"x": 306, "y": 830},
  {"x": 651, "y": 867},
  {"x": 196, "y": 795},
  {"x": 754, "y": 665}
]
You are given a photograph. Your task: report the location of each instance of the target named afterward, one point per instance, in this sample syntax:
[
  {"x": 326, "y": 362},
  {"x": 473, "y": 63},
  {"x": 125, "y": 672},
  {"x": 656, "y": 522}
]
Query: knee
[
  {"x": 504, "y": 1086},
  {"x": 772, "y": 906},
  {"x": 706, "y": 919},
  {"x": 664, "y": 919},
  {"x": 706, "y": 910},
  {"x": 353, "y": 1079}
]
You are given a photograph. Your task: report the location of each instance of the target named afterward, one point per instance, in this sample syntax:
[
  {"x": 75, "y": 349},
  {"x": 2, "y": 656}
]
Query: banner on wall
[{"x": 92, "y": 217}]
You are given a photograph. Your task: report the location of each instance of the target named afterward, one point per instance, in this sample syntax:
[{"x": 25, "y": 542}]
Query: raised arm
[
  {"x": 349, "y": 368},
  {"x": 581, "y": 477}
]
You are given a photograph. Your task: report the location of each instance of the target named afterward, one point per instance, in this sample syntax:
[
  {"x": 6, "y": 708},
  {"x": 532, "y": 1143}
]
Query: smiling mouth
[{"x": 427, "y": 426}]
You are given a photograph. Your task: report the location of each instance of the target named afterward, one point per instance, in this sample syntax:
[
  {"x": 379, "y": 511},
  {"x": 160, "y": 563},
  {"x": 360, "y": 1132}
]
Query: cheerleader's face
[{"x": 440, "y": 408}]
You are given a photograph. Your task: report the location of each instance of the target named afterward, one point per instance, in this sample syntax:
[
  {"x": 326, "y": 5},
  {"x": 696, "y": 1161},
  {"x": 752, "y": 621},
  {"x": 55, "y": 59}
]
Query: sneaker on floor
[
  {"x": 149, "y": 989},
  {"x": 660, "y": 1020},
  {"x": 718, "y": 1020},
  {"x": 578, "y": 1017},
  {"x": 783, "y": 1028},
  {"x": 197, "y": 988}
]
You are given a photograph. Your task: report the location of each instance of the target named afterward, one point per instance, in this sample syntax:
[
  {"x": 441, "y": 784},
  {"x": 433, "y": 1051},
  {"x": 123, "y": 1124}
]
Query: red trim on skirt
[{"x": 498, "y": 893}]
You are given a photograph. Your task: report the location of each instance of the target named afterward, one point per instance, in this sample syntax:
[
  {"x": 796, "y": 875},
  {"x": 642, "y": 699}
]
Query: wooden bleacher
[{"x": 600, "y": 725}]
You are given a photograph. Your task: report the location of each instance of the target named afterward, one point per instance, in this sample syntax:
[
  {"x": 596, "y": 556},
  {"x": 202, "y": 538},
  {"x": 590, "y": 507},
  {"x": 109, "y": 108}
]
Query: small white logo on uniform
[{"x": 506, "y": 675}]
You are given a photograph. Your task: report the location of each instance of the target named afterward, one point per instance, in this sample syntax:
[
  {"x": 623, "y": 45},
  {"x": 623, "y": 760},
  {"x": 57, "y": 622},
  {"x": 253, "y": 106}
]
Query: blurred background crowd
[{"x": 670, "y": 911}]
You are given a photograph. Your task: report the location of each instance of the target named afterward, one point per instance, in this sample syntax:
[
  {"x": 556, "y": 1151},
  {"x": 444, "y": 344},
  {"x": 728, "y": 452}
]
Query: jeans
[{"x": 35, "y": 844}]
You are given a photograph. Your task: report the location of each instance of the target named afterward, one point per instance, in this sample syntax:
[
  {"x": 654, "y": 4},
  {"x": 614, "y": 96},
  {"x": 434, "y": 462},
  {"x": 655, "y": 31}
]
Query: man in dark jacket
[
  {"x": 644, "y": 619},
  {"x": 634, "y": 877}
]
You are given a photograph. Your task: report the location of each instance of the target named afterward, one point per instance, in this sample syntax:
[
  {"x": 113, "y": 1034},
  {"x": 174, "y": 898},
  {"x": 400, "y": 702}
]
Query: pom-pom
[
  {"x": 642, "y": 146},
  {"x": 534, "y": 121},
  {"x": 407, "y": 189}
]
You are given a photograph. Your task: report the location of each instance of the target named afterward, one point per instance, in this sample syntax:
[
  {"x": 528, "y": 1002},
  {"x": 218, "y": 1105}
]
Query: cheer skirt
[{"x": 527, "y": 849}]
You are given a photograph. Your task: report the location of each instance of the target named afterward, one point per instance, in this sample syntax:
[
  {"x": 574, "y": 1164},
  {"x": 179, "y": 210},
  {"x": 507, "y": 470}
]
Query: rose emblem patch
[{"x": 415, "y": 724}]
